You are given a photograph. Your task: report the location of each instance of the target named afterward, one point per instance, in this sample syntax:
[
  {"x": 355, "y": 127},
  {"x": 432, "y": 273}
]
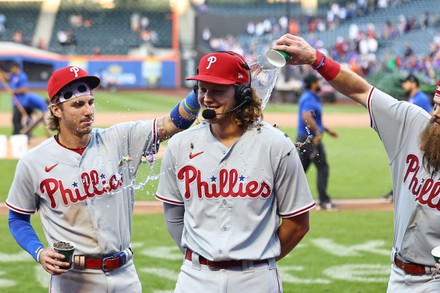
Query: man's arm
[
  {"x": 180, "y": 118},
  {"x": 174, "y": 222},
  {"x": 23, "y": 232},
  {"x": 309, "y": 120},
  {"x": 291, "y": 231},
  {"x": 342, "y": 79}
]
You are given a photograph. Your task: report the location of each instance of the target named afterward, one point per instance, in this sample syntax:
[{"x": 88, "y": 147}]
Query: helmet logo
[
  {"x": 75, "y": 70},
  {"x": 211, "y": 60}
]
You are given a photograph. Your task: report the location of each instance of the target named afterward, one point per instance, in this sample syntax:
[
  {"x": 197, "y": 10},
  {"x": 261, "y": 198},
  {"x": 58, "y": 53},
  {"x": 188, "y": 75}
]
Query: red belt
[
  {"x": 411, "y": 268},
  {"x": 220, "y": 264},
  {"x": 106, "y": 263}
]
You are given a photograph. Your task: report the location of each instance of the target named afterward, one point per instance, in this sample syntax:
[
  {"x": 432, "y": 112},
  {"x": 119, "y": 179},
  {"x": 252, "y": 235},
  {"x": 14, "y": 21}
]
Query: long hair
[{"x": 250, "y": 112}]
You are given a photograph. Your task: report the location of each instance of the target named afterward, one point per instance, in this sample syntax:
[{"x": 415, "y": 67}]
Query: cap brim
[
  {"x": 212, "y": 79},
  {"x": 91, "y": 80}
]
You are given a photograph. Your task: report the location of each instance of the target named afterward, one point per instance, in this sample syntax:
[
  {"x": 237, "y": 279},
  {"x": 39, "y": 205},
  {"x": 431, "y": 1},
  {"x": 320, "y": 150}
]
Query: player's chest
[{"x": 76, "y": 180}]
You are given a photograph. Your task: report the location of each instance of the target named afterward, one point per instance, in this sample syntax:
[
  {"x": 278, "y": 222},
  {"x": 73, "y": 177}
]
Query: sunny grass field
[{"x": 344, "y": 252}]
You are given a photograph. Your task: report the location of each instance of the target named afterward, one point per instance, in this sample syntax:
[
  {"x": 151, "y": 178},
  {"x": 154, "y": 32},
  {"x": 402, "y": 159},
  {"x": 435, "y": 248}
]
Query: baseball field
[{"x": 345, "y": 251}]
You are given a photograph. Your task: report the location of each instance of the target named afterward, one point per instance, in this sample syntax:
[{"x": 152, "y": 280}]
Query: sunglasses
[{"x": 75, "y": 89}]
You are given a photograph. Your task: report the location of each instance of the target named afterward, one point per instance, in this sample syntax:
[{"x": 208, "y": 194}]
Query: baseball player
[
  {"x": 235, "y": 195},
  {"x": 79, "y": 182},
  {"x": 411, "y": 137},
  {"x": 410, "y": 85}
]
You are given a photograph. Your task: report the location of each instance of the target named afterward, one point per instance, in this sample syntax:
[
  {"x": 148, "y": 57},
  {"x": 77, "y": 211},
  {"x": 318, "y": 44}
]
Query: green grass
[
  {"x": 359, "y": 167},
  {"x": 344, "y": 252}
]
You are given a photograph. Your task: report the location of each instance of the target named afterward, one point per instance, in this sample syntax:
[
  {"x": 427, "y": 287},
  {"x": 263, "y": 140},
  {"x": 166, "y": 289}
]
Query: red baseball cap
[
  {"x": 223, "y": 67},
  {"x": 62, "y": 77}
]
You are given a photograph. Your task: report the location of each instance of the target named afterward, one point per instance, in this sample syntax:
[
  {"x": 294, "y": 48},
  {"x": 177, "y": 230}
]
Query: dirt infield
[{"x": 280, "y": 119}]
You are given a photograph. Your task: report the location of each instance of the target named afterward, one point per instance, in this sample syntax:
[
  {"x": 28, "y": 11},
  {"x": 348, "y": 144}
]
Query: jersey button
[
  {"x": 225, "y": 228},
  {"x": 220, "y": 251}
]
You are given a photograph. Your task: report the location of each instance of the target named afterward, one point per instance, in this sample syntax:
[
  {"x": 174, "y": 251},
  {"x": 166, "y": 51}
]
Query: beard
[{"x": 430, "y": 145}]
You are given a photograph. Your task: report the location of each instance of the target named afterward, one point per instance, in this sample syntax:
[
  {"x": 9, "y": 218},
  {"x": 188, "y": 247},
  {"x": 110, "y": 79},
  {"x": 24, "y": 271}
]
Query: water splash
[
  {"x": 264, "y": 77},
  {"x": 309, "y": 139}
]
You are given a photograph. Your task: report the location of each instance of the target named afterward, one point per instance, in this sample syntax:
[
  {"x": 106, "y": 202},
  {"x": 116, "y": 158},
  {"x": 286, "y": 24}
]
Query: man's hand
[
  {"x": 331, "y": 133},
  {"x": 317, "y": 138},
  {"x": 50, "y": 260}
]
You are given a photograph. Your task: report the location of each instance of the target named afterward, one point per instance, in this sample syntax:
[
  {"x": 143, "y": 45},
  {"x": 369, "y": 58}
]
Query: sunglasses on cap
[{"x": 75, "y": 89}]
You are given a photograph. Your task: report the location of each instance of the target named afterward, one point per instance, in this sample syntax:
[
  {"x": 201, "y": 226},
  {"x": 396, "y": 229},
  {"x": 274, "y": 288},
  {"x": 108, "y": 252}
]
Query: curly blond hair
[{"x": 249, "y": 113}]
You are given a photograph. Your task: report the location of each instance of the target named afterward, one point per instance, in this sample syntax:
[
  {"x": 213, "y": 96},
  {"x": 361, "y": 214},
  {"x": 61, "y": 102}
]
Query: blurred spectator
[
  {"x": 206, "y": 34},
  {"x": 17, "y": 37},
  {"x": 135, "y": 21},
  {"x": 2, "y": 23},
  {"x": 145, "y": 21},
  {"x": 293, "y": 27},
  {"x": 96, "y": 51},
  {"x": 250, "y": 28},
  {"x": 408, "y": 51},
  {"x": 88, "y": 22},
  {"x": 76, "y": 20},
  {"x": 66, "y": 38},
  {"x": 425, "y": 20},
  {"x": 353, "y": 32},
  {"x": 341, "y": 46}
]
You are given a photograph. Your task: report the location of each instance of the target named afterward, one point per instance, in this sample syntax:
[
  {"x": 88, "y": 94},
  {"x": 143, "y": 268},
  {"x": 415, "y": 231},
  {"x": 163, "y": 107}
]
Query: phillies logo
[
  {"x": 75, "y": 70},
  {"x": 426, "y": 191},
  {"x": 211, "y": 60},
  {"x": 228, "y": 184},
  {"x": 91, "y": 186}
]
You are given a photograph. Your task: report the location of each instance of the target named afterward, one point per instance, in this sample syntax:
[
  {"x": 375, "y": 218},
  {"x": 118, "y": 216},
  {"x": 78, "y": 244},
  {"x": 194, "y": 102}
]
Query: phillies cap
[
  {"x": 62, "y": 77},
  {"x": 222, "y": 67},
  {"x": 410, "y": 77}
]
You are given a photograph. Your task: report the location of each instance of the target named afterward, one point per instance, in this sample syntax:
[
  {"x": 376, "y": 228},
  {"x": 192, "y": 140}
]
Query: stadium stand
[
  {"x": 109, "y": 32},
  {"x": 19, "y": 19}
]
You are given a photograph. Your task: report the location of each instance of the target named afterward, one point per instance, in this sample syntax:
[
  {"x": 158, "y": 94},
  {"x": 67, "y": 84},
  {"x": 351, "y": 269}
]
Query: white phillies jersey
[
  {"x": 234, "y": 197},
  {"x": 85, "y": 199},
  {"x": 417, "y": 192}
]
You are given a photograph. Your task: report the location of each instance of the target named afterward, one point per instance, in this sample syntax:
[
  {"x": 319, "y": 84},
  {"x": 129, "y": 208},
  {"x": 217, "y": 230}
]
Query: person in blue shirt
[
  {"x": 24, "y": 103},
  {"x": 416, "y": 96},
  {"x": 309, "y": 137},
  {"x": 18, "y": 85},
  {"x": 37, "y": 109}
]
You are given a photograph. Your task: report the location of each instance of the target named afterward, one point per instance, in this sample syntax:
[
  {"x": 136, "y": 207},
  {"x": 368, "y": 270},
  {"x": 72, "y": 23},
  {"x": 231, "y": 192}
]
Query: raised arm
[
  {"x": 340, "y": 78},
  {"x": 180, "y": 118}
]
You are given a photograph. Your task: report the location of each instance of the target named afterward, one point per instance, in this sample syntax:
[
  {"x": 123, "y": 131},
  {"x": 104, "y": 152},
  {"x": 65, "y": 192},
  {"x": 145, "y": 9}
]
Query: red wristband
[
  {"x": 328, "y": 68},
  {"x": 319, "y": 62}
]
